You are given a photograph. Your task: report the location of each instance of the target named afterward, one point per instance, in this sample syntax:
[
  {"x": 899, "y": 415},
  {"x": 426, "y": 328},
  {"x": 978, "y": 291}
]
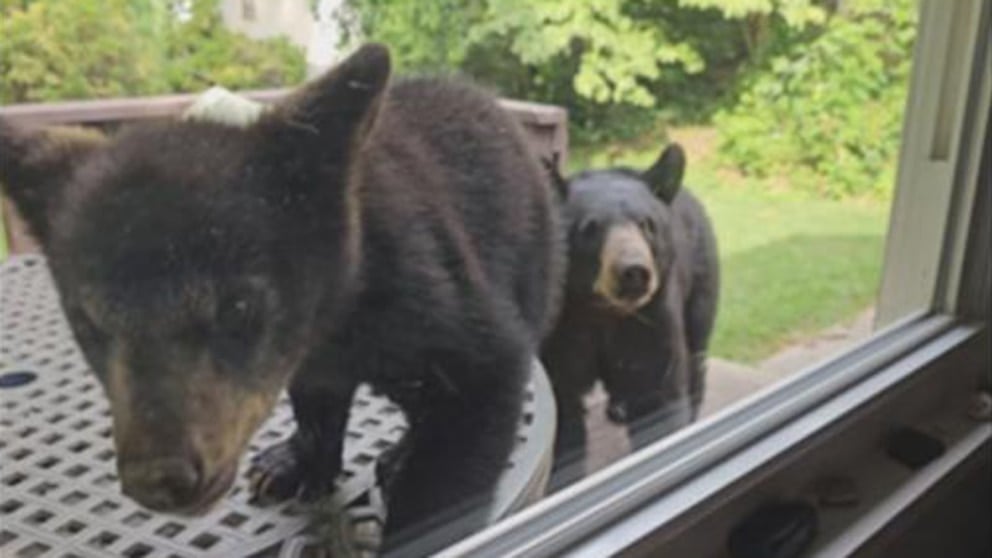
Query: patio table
[{"x": 59, "y": 494}]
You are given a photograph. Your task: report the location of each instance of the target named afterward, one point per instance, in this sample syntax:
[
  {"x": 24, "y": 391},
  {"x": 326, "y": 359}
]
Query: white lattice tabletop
[{"x": 59, "y": 495}]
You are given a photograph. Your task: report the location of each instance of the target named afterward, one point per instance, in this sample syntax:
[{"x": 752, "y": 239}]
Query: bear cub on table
[
  {"x": 400, "y": 235},
  {"x": 640, "y": 302}
]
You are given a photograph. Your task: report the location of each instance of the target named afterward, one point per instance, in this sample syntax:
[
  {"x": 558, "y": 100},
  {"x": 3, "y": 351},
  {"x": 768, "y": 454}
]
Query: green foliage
[
  {"x": 617, "y": 54},
  {"x": 617, "y": 65},
  {"x": 430, "y": 36},
  {"x": 74, "y": 49},
  {"x": 627, "y": 51},
  {"x": 202, "y": 52},
  {"x": 828, "y": 114},
  {"x": 796, "y": 13},
  {"x": 799, "y": 90},
  {"x": 80, "y": 49}
]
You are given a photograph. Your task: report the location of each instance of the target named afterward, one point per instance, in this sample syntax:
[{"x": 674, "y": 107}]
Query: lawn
[{"x": 792, "y": 264}]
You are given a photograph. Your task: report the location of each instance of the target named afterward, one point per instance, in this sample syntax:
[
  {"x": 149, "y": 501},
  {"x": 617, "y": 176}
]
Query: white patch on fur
[{"x": 224, "y": 107}]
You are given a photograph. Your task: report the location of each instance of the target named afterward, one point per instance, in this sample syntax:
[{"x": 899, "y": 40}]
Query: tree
[
  {"x": 428, "y": 36},
  {"x": 756, "y": 17},
  {"x": 617, "y": 54},
  {"x": 75, "y": 49},
  {"x": 201, "y": 51},
  {"x": 612, "y": 63},
  {"x": 81, "y": 49},
  {"x": 828, "y": 112}
]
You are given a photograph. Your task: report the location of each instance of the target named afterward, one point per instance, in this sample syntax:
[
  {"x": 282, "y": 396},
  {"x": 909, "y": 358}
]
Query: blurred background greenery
[
  {"x": 791, "y": 110},
  {"x": 88, "y": 49}
]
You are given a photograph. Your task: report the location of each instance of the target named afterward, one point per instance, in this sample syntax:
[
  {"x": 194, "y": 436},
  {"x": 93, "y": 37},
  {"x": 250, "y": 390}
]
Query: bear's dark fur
[
  {"x": 397, "y": 235},
  {"x": 639, "y": 306}
]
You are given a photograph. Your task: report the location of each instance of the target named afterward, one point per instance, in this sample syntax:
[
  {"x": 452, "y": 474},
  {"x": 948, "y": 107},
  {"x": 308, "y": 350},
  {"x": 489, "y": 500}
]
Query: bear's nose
[
  {"x": 162, "y": 484},
  {"x": 633, "y": 281}
]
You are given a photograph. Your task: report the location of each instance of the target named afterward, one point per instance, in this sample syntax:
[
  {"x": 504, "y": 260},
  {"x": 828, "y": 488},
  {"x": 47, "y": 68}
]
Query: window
[
  {"x": 248, "y": 10},
  {"x": 929, "y": 320}
]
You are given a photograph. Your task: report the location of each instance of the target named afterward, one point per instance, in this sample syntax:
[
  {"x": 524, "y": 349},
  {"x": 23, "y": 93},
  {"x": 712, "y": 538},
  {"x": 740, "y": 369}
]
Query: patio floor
[{"x": 727, "y": 382}]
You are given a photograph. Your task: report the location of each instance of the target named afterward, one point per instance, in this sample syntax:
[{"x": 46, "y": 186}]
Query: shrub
[
  {"x": 619, "y": 66},
  {"x": 71, "y": 50},
  {"x": 828, "y": 114},
  {"x": 79, "y": 49},
  {"x": 202, "y": 52}
]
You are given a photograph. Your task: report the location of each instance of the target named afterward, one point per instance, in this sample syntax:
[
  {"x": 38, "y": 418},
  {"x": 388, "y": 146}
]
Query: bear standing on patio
[
  {"x": 357, "y": 232},
  {"x": 639, "y": 306}
]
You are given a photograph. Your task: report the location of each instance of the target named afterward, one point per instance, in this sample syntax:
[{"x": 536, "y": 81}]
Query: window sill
[{"x": 675, "y": 481}]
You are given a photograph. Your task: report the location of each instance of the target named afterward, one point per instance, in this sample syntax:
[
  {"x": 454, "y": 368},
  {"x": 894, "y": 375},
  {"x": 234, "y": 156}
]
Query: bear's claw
[{"x": 276, "y": 475}]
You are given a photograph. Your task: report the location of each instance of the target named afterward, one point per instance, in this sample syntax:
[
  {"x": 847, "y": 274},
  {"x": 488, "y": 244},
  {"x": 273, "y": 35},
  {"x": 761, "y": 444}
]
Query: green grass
[{"x": 791, "y": 264}]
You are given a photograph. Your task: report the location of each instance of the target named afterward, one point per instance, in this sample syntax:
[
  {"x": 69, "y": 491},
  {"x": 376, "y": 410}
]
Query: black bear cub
[
  {"x": 639, "y": 305},
  {"x": 400, "y": 235}
]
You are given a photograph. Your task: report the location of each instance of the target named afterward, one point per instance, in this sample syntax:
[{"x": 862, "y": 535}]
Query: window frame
[
  {"x": 939, "y": 159},
  {"x": 935, "y": 273}
]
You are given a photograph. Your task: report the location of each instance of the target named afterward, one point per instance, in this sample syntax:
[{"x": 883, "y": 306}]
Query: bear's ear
[
  {"x": 334, "y": 113},
  {"x": 665, "y": 176},
  {"x": 36, "y": 164}
]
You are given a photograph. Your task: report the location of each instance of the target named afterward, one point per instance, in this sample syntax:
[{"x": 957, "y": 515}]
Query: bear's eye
[
  {"x": 237, "y": 329},
  {"x": 237, "y": 317},
  {"x": 589, "y": 229},
  {"x": 90, "y": 337},
  {"x": 83, "y": 325},
  {"x": 647, "y": 225}
]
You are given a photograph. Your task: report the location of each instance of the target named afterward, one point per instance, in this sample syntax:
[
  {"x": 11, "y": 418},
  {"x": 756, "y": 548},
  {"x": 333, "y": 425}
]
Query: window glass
[{"x": 379, "y": 260}]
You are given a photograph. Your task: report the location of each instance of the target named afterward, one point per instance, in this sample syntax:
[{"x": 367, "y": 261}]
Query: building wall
[
  {"x": 313, "y": 27},
  {"x": 265, "y": 19}
]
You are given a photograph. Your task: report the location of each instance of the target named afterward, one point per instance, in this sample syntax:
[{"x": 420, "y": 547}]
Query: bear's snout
[
  {"x": 164, "y": 483},
  {"x": 633, "y": 281},
  {"x": 627, "y": 276},
  {"x": 178, "y": 449},
  {"x": 174, "y": 484}
]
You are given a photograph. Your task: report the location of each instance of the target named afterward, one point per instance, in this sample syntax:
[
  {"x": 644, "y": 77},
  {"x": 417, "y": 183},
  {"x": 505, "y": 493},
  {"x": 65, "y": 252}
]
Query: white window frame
[
  {"x": 942, "y": 141},
  {"x": 931, "y": 241}
]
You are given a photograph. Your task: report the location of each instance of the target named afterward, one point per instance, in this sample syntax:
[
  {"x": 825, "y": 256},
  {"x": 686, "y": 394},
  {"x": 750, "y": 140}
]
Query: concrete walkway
[{"x": 727, "y": 382}]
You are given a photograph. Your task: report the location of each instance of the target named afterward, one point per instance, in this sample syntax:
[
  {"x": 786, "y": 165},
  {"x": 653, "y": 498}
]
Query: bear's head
[
  {"x": 195, "y": 262},
  {"x": 619, "y": 224}
]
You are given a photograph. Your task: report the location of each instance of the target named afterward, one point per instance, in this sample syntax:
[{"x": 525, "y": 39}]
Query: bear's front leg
[
  {"x": 462, "y": 431},
  {"x": 306, "y": 464},
  {"x": 570, "y": 358},
  {"x": 697, "y": 381},
  {"x": 652, "y": 405},
  {"x": 570, "y": 440}
]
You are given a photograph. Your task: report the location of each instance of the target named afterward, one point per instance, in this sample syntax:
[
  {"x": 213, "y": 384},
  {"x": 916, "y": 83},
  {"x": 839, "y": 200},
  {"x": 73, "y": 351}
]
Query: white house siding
[{"x": 319, "y": 37}]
